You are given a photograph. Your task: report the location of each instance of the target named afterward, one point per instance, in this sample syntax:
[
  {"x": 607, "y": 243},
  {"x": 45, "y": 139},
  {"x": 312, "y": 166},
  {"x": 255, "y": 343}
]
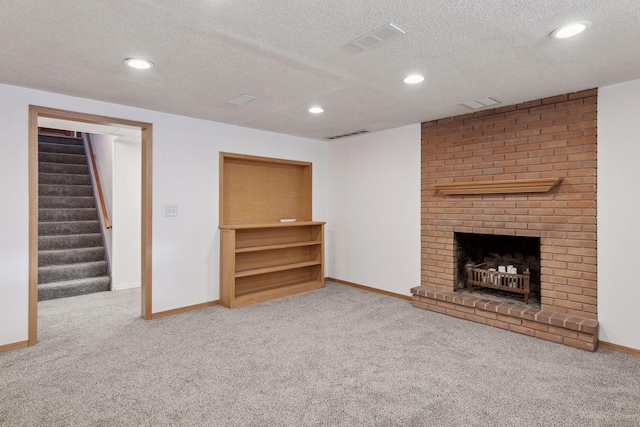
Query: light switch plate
[{"x": 170, "y": 210}]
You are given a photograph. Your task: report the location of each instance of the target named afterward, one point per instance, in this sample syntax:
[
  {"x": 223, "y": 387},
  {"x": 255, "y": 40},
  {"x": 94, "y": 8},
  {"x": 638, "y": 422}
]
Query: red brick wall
[{"x": 547, "y": 138}]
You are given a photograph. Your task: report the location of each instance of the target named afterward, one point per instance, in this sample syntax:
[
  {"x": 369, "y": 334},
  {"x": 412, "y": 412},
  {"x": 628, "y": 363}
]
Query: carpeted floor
[{"x": 336, "y": 356}]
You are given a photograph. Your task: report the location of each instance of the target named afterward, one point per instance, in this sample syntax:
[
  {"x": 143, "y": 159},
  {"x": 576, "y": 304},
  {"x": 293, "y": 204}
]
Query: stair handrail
[{"x": 107, "y": 224}]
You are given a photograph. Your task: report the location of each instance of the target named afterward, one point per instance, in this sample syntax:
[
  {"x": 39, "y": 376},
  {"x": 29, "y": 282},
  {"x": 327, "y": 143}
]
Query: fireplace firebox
[{"x": 506, "y": 264}]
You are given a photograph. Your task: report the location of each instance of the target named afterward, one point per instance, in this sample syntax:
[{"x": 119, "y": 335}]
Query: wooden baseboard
[
  {"x": 14, "y": 346},
  {"x": 370, "y": 289},
  {"x": 184, "y": 309},
  {"x": 619, "y": 348}
]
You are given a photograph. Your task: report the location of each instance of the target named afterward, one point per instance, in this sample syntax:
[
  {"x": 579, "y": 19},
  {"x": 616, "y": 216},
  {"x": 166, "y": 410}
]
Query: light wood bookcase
[{"x": 262, "y": 258}]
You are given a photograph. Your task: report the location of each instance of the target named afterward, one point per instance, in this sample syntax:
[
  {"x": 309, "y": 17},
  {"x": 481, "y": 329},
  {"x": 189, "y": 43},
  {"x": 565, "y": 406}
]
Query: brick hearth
[
  {"x": 510, "y": 315},
  {"x": 547, "y": 138}
]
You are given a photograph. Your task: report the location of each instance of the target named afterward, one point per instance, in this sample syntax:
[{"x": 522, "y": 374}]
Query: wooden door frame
[{"x": 147, "y": 143}]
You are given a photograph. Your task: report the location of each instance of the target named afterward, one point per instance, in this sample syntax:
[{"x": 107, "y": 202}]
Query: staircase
[{"x": 71, "y": 255}]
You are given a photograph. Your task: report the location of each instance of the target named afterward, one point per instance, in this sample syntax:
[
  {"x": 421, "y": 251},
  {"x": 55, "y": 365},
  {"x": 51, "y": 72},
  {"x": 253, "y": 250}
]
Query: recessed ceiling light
[
  {"x": 413, "y": 79},
  {"x": 139, "y": 64},
  {"x": 570, "y": 30},
  {"x": 316, "y": 110}
]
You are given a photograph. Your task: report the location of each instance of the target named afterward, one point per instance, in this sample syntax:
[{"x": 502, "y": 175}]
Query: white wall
[
  {"x": 103, "y": 149},
  {"x": 618, "y": 213},
  {"x": 14, "y": 220},
  {"x": 373, "y": 235},
  {"x": 185, "y": 172},
  {"x": 126, "y": 271},
  {"x": 366, "y": 187}
]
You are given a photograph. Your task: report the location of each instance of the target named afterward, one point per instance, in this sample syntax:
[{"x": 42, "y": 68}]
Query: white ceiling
[{"x": 294, "y": 54}]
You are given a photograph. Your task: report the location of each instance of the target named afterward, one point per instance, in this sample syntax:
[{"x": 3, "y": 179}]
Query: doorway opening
[{"x": 41, "y": 114}]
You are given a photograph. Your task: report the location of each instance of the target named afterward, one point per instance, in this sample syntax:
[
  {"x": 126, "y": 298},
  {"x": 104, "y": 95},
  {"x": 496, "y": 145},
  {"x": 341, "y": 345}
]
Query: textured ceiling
[{"x": 294, "y": 54}]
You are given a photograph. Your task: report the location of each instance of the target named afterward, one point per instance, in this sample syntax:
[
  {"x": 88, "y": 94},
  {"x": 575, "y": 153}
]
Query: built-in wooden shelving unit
[
  {"x": 262, "y": 258},
  {"x": 512, "y": 186}
]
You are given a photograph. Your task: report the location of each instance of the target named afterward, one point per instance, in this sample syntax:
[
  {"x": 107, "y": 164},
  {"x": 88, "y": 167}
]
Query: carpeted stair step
[
  {"x": 60, "y": 148},
  {"x": 58, "y": 273},
  {"x": 66, "y": 202},
  {"x": 52, "y": 228},
  {"x": 75, "y": 169},
  {"x": 59, "y": 140},
  {"x": 72, "y": 288},
  {"x": 65, "y": 190},
  {"x": 63, "y": 179},
  {"x": 70, "y": 256},
  {"x": 67, "y": 159},
  {"x": 72, "y": 241},
  {"x": 58, "y": 215}
]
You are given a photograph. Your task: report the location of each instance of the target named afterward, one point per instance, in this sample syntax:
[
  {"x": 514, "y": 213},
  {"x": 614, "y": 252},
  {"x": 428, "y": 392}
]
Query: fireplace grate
[{"x": 481, "y": 275}]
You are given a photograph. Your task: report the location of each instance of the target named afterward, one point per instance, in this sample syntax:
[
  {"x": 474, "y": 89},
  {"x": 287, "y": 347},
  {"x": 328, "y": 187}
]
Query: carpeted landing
[
  {"x": 71, "y": 256},
  {"x": 335, "y": 357}
]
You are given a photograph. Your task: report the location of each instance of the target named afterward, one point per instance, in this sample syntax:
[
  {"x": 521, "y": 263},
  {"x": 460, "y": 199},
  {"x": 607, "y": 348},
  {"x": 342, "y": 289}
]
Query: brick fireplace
[{"x": 550, "y": 140}]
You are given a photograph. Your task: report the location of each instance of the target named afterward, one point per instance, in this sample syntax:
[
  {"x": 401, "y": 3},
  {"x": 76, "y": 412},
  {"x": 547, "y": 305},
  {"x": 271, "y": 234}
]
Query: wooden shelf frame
[
  {"x": 262, "y": 271},
  {"x": 262, "y": 258},
  {"x": 509, "y": 186}
]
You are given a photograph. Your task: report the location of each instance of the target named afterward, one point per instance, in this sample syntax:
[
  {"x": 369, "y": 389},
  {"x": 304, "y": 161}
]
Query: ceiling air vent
[
  {"x": 346, "y": 135},
  {"x": 242, "y": 99},
  {"x": 377, "y": 36},
  {"x": 476, "y": 104}
]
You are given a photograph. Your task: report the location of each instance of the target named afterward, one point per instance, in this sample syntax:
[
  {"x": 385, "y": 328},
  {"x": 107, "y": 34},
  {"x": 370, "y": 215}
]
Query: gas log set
[{"x": 505, "y": 278}]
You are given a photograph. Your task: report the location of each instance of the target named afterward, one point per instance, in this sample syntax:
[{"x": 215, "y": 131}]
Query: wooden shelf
[
  {"x": 511, "y": 186},
  {"x": 275, "y": 268},
  {"x": 281, "y": 246},
  {"x": 262, "y": 263},
  {"x": 268, "y": 224},
  {"x": 262, "y": 258},
  {"x": 276, "y": 291},
  {"x": 274, "y": 287}
]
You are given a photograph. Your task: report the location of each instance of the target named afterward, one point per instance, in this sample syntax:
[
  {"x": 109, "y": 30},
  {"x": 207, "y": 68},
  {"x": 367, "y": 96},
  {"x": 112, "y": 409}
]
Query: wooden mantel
[{"x": 509, "y": 186}]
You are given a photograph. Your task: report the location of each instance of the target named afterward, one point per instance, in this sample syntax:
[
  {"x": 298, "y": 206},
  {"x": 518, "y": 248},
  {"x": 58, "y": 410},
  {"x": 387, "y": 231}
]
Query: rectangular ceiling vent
[
  {"x": 476, "y": 104},
  {"x": 345, "y": 135},
  {"x": 377, "y": 36},
  {"x": 242, "y": 99}
]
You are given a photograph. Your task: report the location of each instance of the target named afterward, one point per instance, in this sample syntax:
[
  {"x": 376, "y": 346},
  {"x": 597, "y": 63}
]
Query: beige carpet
[{"x": 337, "y": 357}]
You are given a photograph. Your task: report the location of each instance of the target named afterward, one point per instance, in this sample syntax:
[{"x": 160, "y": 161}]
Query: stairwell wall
[
  {"x": 185, "y": 173},
  {"x": 126, "y": 271}
]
